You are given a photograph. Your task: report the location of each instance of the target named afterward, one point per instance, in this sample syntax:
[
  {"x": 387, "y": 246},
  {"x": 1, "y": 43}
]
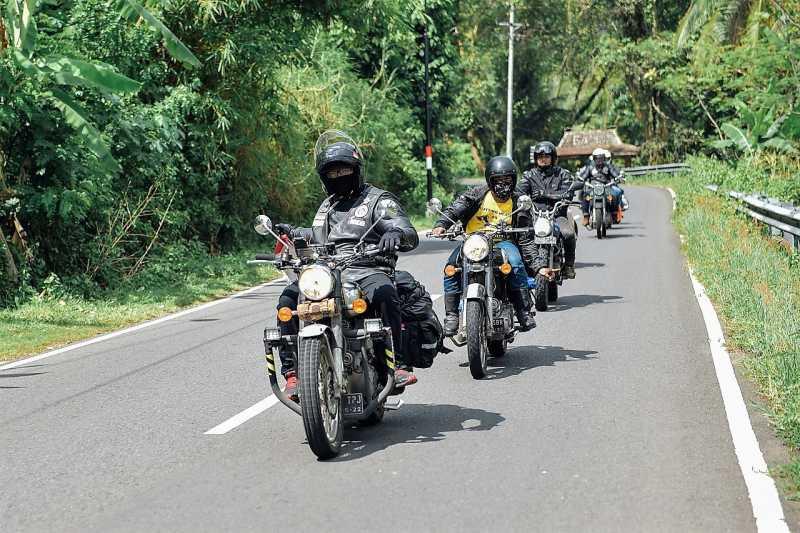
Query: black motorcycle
[
  {"x": 600, "y": 196},
  {"x": 546, "y": 235},
  {"x": 487, "y": 315},
  {"x": 345, "y": 353}
]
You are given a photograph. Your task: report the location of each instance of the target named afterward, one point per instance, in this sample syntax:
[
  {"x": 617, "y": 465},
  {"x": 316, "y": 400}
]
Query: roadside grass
[
  {"x": 55, "y": 317},
  {"x": 754, "y": 282},
  {"x": 422, "y": 222}
]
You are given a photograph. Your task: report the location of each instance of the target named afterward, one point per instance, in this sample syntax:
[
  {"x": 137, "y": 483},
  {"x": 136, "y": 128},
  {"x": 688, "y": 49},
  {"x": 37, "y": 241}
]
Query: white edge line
[
  {"x": 137, "y": 327},
  {"x": 761, "y": 488},
  {"x": 674, "y": 198},
  {"x": 244, "y": 416}
]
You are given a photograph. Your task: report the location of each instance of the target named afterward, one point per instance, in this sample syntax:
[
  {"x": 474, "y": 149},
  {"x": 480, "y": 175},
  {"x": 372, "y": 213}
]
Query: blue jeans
[{"x": 517, "y": 279}]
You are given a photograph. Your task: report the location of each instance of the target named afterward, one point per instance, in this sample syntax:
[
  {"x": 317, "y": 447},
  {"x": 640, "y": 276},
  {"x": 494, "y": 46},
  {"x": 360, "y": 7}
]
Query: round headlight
[
  {"x": 316, "y": 282},
  {"x": 476, "y": 248},
  {"x": 542, "y": 227}
]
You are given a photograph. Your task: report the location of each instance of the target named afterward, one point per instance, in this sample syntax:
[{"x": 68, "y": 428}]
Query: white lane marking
[
  {"x": 244, "y": 416},
  {"x": 674, "y": 198},
  {"x": 137, "y": 327},
  {"x": 761, "y": 488}
]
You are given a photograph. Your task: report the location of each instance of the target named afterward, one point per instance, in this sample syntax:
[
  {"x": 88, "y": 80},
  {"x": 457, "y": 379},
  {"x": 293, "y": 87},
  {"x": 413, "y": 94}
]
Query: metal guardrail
[
  {"x": 783, "y": 218},
  {"x": 670, "y": 168}
]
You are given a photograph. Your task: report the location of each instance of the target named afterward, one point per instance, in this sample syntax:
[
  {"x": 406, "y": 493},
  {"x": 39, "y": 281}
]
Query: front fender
[{"x": 476, "y": 291}]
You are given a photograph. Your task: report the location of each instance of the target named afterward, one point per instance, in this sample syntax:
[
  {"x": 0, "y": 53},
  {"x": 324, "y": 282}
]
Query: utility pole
[
  {"x": 510, "y": 103},
  {"x": 428, "y": 147}
]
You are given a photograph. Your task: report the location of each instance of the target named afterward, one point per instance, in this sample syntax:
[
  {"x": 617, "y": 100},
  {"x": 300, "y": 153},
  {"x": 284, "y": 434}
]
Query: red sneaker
[
  {"x": 403, "y": 378},
  {"x": 291, "y": 386}
]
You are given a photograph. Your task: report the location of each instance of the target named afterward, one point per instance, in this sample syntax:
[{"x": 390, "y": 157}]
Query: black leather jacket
[
  {"x": 467, "y": 204},
  {"x": 557, "y": 184},
  {"x": 604, "y": 175},
  {"x": 343, "y": 221}
]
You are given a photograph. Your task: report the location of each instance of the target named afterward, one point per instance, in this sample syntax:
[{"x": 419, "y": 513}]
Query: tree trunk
[{"x": 11, "y": 267}]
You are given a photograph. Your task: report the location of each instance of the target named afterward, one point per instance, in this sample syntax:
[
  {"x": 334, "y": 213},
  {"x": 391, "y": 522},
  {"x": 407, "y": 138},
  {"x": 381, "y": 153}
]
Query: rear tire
[
  {"x": 540, "y": 293},
  {"x": 476, "y": 339},
  {"x": 321, "y": 408},
  {"x": 552, "y": 291}
]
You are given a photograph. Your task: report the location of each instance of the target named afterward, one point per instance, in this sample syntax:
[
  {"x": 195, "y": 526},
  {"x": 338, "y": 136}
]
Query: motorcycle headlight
[
  {"x": 316, "y": 282},
  {"x": 542, "y": 227},
  {"x": 599, "y": 190},
  {"x": 476, "y": 248}
]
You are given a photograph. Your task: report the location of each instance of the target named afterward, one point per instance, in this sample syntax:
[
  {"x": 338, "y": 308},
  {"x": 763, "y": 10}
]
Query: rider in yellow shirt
[{"x": 477, "y": 208}]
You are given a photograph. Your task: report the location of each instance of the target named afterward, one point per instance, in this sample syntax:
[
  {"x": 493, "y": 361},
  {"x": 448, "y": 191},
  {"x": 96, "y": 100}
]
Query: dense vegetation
[{"x": 137, "y": 135}]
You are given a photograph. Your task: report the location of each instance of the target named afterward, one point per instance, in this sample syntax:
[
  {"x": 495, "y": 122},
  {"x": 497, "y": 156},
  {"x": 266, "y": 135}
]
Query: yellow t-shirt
[{"x": 490, "y": 212}]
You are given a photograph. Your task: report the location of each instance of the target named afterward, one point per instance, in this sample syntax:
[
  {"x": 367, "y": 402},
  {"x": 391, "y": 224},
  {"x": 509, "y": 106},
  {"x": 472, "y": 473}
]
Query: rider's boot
[
  {"x": 522, "y": 303},
  {"x": 586, "y": 219},
  {"x": 291, "y": 386},
  {"x": 403, "y": 377},
  {"x": 451, "y": 302},
  {"x": 568, "y": 271}
]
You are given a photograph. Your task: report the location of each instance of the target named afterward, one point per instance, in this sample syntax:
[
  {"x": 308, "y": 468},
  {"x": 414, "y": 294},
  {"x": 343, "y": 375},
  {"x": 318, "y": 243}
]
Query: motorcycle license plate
[
  {"x": 499, "y": 323},
  {"x": 354, "y": 404},
  {"x": 545, "y": 240}
]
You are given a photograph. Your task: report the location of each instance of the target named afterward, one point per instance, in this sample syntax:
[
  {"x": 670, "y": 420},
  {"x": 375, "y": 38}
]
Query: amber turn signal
[
  {"x": 284, "y": 314},
  {"x": 359, "y": 306},
  {"x": 505, "y": 268},
  {"x": 449, "y": 271}
]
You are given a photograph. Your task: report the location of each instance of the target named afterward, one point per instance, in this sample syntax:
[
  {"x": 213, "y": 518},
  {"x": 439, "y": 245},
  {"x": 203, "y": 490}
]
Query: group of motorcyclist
[{"x": 349, "y": 211}]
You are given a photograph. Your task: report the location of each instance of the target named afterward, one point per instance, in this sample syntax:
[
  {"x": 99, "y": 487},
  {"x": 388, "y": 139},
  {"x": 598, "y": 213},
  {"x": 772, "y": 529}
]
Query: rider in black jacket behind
[
  {"x": 547, "y": 183},
  {"x": 342, "y": 219}
]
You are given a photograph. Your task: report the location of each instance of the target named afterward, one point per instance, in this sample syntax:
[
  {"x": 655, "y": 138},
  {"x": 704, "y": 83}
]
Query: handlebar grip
[{"x": 265, "y": 257}]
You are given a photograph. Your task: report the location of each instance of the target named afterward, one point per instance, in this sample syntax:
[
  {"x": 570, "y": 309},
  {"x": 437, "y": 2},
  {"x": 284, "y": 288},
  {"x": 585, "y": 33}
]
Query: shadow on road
[
  {"x": 589, "y": 265},
  {"x": 518, "y": 360},
  {"x": 420, "y": 423},
  {"x": 616, "y": 235},
  {"x": 580, "y": 300},
  {"x": 21, "y": 375}
]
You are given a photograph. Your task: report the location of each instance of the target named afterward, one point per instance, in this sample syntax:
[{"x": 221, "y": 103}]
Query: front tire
[
  {"x": 476, "y": 339},
  {"x": 320, "y": 403},
  {"x": 599, "y": 222},
  {"x": 540, "y": 293}
]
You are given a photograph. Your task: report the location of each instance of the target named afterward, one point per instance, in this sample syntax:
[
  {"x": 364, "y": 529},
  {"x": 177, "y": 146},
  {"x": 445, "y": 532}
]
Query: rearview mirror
[
  {"x": 524, "y": 202},
  {"x": 263, "y": 225},
  {"x": 434, "y": 205}
]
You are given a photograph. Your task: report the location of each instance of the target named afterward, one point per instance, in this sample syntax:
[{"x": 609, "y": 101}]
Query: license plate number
[
  {"x": 499, "y": 323},
  {"x": 544, "y": 240},
  {"x": 354, "y": 404}
]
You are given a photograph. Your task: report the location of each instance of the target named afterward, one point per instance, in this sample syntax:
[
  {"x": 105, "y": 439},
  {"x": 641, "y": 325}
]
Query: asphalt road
[{"x": 607, "y": 417}]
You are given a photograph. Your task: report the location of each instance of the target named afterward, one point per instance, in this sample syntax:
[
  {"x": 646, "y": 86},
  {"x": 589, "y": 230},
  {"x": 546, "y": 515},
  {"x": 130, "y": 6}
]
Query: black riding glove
[
  {"x": 390, "y": 241},
  {"x": 567, "y": 195},
  {"x": 283, "y": 229},
  {"x": 538, "y": 194}
]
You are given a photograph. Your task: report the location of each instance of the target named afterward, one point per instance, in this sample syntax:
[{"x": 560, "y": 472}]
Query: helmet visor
[{"x": 331, "y": 137}]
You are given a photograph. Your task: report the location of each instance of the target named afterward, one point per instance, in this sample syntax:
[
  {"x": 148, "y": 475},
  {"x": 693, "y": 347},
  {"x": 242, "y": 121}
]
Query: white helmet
[
  {"x": 598, "y": 151},
  {"x": 608, "y": 155}
]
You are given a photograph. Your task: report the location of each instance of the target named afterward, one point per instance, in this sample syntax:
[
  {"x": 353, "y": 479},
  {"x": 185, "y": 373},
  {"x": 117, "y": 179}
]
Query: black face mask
[
  {"x": 341, "y": 186},
  {"x": 503, "y": 189}
]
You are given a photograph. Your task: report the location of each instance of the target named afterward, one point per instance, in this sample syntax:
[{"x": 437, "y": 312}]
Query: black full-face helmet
[
  {"x": 339, "y": 163},
  {"x": 501, "y": 176},
  {"x": 544, "y": 148}
]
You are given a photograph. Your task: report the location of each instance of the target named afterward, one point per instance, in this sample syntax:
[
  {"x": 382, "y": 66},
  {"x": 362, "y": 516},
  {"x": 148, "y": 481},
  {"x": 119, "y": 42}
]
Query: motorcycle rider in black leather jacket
[
  {"x": 343, "y": 218},
  {"x": 547, "y": 183}
]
